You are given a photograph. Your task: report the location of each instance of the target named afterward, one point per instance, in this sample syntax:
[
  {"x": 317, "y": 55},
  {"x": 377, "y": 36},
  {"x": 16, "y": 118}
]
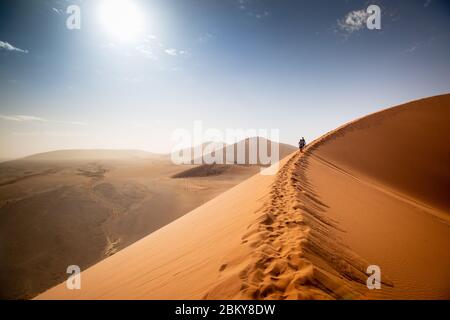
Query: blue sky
[{"x": 297, "y": 66}]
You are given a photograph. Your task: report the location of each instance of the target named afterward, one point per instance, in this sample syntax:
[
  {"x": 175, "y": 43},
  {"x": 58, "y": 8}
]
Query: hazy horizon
[
  {"x": 3, "y": 159},
  {"x": 304, "y": 68}
]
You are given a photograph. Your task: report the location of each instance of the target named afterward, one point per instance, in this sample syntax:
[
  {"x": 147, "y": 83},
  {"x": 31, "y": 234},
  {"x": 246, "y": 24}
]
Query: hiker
[{"x": 302, "y": 144}]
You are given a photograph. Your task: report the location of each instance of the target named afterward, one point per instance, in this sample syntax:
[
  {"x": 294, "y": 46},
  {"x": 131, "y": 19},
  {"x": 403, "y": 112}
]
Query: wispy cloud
[
  {"x": 412, "y": 48},
  {"x": 250, "y": 9},
  {"x": 261, "y": 15},
  {"x": 26, "y": 118},
  {"x": 49, "y": 134},
  {"x": 22, "y": 118},
  {"x": 152, "y": 48},
  {"x": 174, "y": 52},
  {"x": 171, "y": 52},
  {"x": 420, "y": 45},
  {"x": 9, "y": 47},
  {"x": 147, "y": 51},
  {"x": 205, "y": 38},
  {"x": 353, "y": 21},
  {"x": 427, "y": 3}
]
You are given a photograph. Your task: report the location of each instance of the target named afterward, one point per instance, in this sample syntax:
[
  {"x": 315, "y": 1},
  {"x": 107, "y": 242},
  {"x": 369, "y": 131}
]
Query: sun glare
[{"x": 122, "y": 19}]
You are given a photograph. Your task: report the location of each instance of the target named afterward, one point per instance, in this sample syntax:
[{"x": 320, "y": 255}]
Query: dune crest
[
  {"x": 295, "y": 251},
  {"x": 311, "y": 231}
]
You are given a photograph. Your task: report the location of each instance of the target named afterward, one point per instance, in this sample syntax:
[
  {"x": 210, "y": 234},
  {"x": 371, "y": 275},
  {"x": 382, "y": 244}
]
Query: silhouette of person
[{"x": 302, "y": 144}]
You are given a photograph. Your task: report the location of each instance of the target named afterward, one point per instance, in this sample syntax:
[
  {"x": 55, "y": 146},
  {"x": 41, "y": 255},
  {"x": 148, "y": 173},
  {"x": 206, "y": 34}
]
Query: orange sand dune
[{"x": 372, "y": 192}]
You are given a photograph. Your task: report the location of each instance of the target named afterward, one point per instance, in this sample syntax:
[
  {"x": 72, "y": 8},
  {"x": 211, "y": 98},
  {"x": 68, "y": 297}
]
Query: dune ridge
[
  {"x": 295, "y": 254},
  {"x": 402, "y": 148},
  {"x": 298, "y": 250},
  {"x": 288, "y": 252},
  {"x": 307, "y": 233}
]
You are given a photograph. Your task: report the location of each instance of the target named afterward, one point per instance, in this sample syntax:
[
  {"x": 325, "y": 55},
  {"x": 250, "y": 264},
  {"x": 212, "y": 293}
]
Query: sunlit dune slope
[
  {"x": 311, "y": 231},
  {"x": 182, "y": 260},
  {"x": 405, "y": 148},
  {"x": 81, "y": 206}
]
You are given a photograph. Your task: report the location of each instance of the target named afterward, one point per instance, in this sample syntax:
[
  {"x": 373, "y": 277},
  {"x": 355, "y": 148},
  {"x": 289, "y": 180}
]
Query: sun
[{"x": 122, "y": 19}]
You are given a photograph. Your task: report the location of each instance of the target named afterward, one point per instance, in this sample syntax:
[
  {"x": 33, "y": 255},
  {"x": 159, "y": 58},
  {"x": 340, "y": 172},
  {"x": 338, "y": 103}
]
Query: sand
[
  {"x": 390, "y": 175},
  {"x": 371, "y": 192},
  {"x": 79, "y": 207}
]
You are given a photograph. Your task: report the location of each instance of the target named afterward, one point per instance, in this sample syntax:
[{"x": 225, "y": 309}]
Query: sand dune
[
  {"x": 367, "y": 193},
  {"x": 93, "y": 154},
  {"x": 247, "y": 154},
  {"x": 207, "y": 170},
  {"x": 231, "y": 161},
  {"x": 390, "y": 175},
  {"x": 244, "y": 152},
  {"x": 81, "y": 206},
  {"x": 404, "y": 148},
  {"x": 183, "y": 259}
]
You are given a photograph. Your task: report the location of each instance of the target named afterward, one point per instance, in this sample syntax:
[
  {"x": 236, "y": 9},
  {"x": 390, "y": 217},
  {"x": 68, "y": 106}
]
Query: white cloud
[
  {"x": 262, "y": 15},
  {"x": 9, "y": 47},
  {"x": 171, "y": 52},
  {"x": 412, "y": 49},
  {"x": 174, "y": 52},
  {"x": 242, "y": 4},
  {"x": 49, "y": 133},
  {"x": 153, "y": 48},
  {"x": 147, "y": 51},
  {"x": 249, "y": 7},
  {"x": 150, "y": 47},
  {"x": 24, "y": 118},
  {"x": 354, "y": 21}
]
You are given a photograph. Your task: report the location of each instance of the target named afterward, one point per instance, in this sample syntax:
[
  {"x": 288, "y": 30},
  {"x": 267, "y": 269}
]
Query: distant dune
[
  {"x": 94, "y": 154},
  {"x": 229, "y": 163},
  {"x": 244, "y": 152},
  {"x": 241, "y": 152},
  {"x": 373, "y": 192}
]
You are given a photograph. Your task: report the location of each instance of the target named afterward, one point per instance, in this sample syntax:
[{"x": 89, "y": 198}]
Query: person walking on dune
[{"x": 302, "y": 144}]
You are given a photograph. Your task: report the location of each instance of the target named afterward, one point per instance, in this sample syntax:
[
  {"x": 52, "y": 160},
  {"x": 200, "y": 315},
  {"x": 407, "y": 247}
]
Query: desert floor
[{"x": 56, "y": 213}]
